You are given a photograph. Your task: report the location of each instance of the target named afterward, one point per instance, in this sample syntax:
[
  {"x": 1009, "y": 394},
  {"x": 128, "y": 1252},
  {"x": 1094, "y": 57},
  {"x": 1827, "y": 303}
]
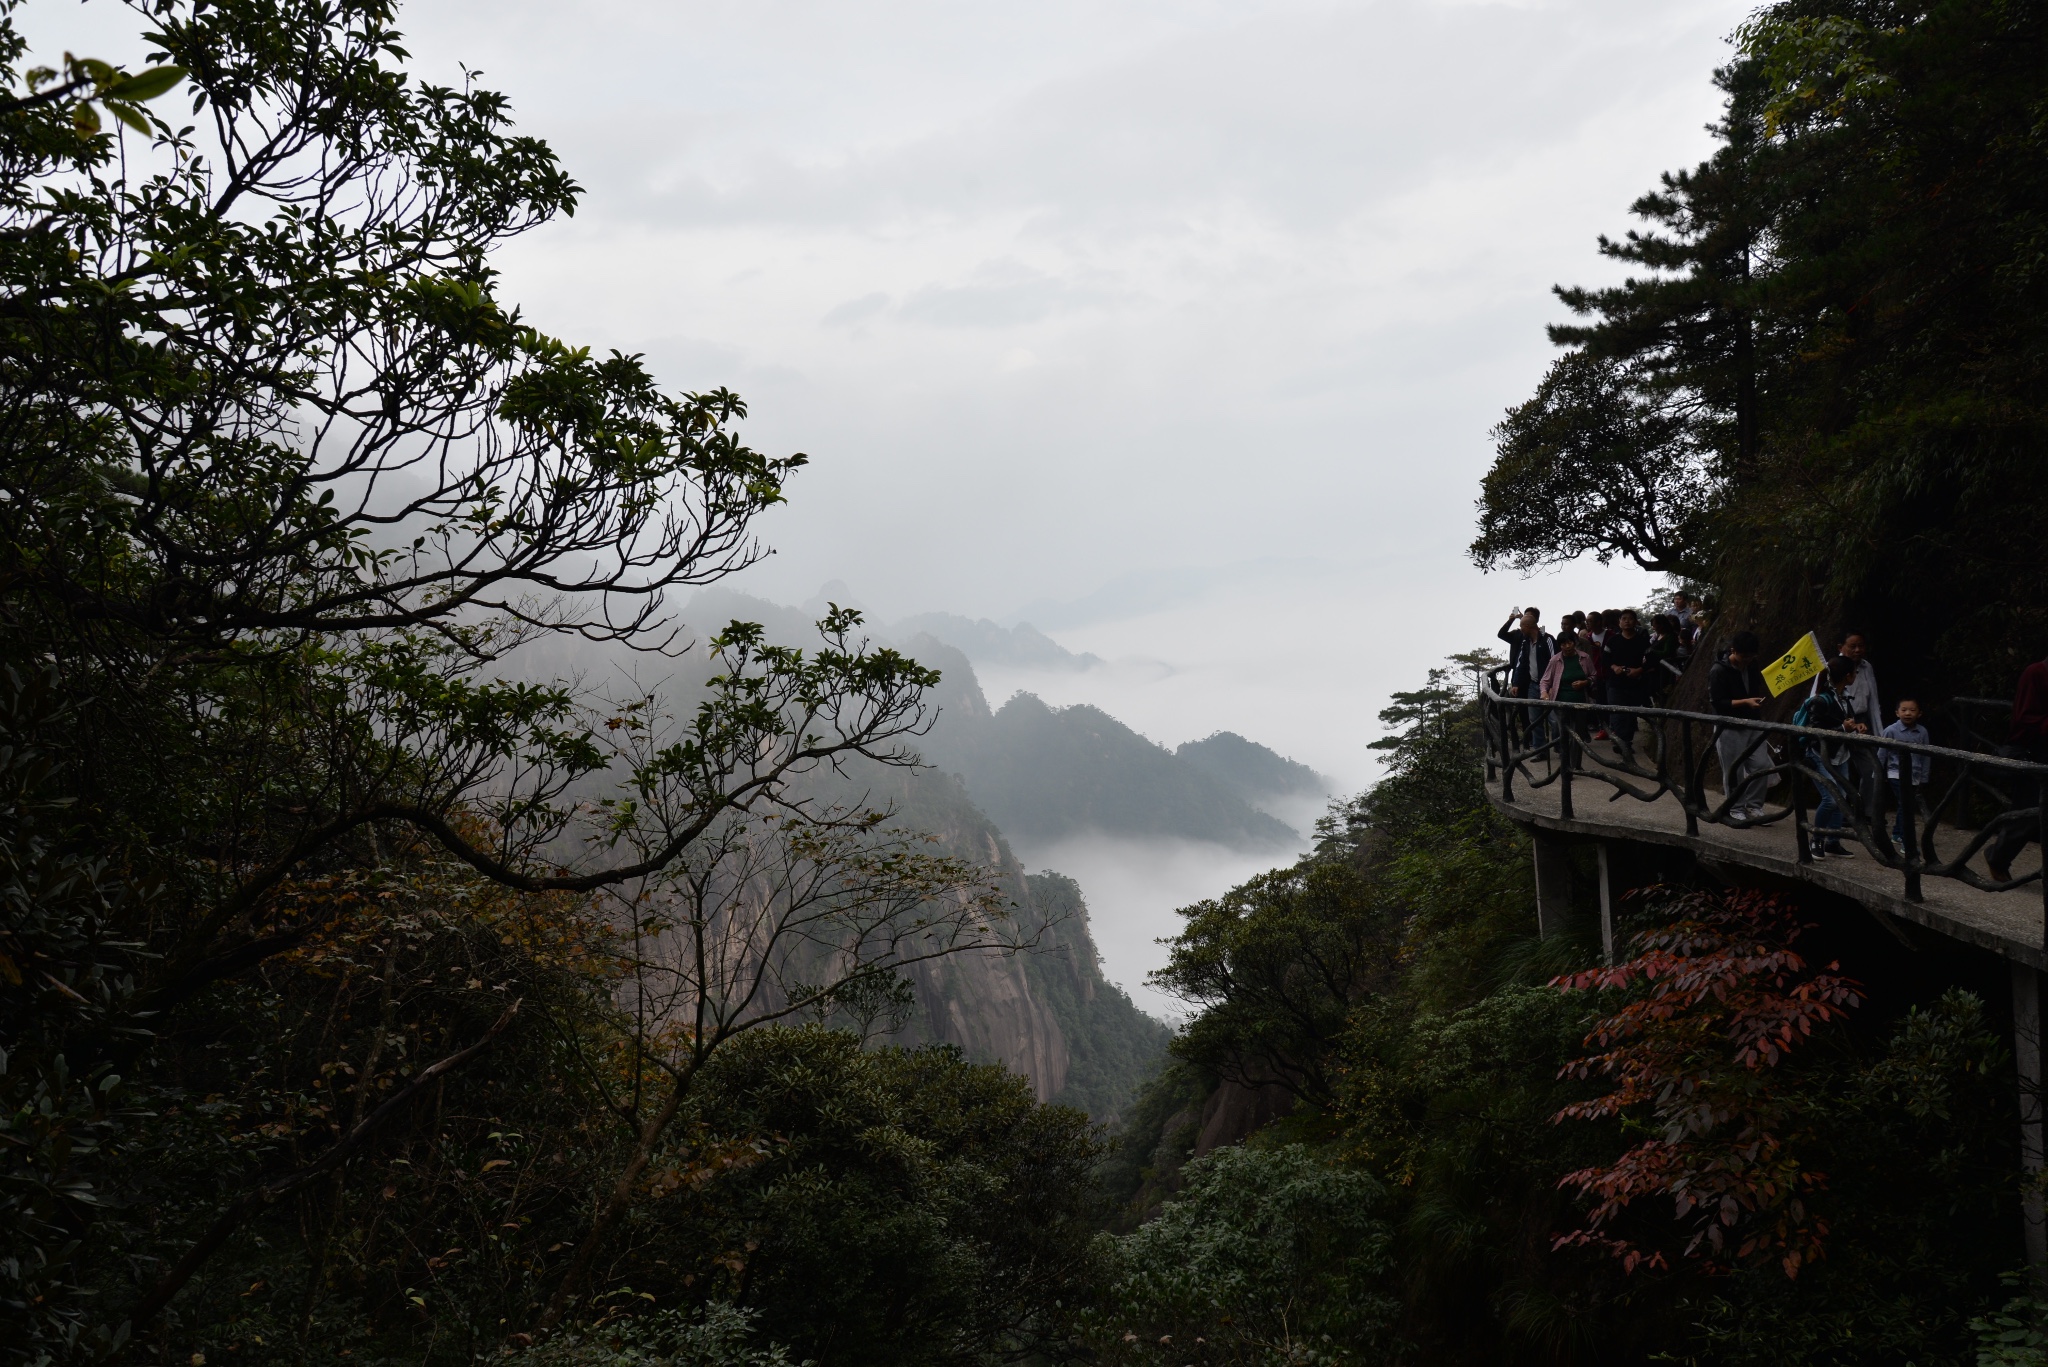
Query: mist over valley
[{"x": 1144, "y": 828}]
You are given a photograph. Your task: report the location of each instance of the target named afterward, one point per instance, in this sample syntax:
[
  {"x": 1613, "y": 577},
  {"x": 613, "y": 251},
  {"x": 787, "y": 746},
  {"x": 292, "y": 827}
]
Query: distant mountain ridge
[
  {"x": 1044, "y": 773},
  {"x": 1022, "y": 646}
]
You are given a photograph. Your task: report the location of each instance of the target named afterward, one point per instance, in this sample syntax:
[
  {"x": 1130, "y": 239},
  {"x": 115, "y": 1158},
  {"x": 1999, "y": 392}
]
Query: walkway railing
[{"x": 1972, "y": 800}]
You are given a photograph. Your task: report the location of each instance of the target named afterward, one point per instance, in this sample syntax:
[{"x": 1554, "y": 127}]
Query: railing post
[
  {"x": 1553, "y": 882},
  {"x": 1909, "y": 851},
  {"x": 1689, "y": 794},
  {"x": 1496, "y": 736},
  {"x": 2041, "y": 795},
  {"x": 1606, "y": 906},
  {"x": 1800, "y": 831},
  {"x": 2026, "y": 1049},
  {"x": 1507, "y": 752},
  {"x": 1564, "y": 778}
]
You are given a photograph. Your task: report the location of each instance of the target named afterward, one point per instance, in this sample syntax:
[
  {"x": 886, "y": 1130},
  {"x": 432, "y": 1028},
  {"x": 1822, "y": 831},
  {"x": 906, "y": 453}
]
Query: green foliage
[
  {"x": 714, "y": 1335},
  {"x": 67, "y": 984},
  {"x": 2016, "y": 1335},
  {"x": 909, "y": 1207},
  {"x": 1591, "y": 466},
  {"x": 1909, "y": 1262},
  {"x": 1454, "y": 1110},
  {"x": 1276, "y": 965},
  {"x": 1152, "y": 1143},
  {"x": 285, "y": 489},
  {"x": 1432, "y": 778},
  {"x": 1457, "y": 1056},
  {"x": 1269, "y": 1256}
]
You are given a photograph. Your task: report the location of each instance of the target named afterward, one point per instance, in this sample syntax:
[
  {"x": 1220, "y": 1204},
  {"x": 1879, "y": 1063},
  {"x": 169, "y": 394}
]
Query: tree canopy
[{"x": 1820, "y": 385}]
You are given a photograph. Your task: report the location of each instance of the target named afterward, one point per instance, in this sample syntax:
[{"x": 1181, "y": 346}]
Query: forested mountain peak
[{"x": 1253, "y": 769}]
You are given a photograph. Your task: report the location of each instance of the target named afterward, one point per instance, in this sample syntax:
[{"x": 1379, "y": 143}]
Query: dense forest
[{"x": 370, "y": 993}]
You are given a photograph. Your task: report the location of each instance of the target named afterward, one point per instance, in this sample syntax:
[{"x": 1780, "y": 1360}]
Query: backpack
[{"x": 1822, "y": 710}]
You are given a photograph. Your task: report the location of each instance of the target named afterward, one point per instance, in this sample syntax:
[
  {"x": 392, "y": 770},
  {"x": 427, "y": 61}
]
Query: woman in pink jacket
[{"x": 1568, "y": 679}]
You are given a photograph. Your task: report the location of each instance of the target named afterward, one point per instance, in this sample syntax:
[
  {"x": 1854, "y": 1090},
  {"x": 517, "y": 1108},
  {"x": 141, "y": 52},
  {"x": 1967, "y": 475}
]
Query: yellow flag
[{"x": 1795, "y": 666}]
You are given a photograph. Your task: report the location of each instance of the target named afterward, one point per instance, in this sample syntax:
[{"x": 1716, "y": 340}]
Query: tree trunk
[{"x": 616, "y": 1205}]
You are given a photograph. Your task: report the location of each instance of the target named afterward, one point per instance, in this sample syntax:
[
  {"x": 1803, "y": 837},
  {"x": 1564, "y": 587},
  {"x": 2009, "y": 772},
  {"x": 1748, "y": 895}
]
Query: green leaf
[
  {"x": 147, "y": 85},
  {"x": 130, "y": 115}
]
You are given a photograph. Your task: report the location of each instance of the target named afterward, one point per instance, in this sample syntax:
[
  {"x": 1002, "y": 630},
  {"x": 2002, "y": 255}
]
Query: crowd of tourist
[
  {"x": 1602, "y": 657},
  {"x": 1611, "y": 660}
]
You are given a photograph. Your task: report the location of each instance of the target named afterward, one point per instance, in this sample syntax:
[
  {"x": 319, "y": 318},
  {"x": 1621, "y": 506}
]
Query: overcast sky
[
  {"x": 1176, "y": 326},
  {"x": 1173, "y": 326}
]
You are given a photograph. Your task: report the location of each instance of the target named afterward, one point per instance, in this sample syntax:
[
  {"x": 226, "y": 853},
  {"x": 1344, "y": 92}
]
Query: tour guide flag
[{"x": 1795, "y": 666}]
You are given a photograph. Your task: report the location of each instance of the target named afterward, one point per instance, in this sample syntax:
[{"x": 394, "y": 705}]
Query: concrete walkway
[{"x": 2007, "y": 923}]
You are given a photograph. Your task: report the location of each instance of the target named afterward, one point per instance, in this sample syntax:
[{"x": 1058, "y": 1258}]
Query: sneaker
[
  {"x": 1599, "y": 735},
  {"x": 1816, "y": 853},
  {"x": 1999, "y": 875},
  {"x": 1838, "y": 850}
]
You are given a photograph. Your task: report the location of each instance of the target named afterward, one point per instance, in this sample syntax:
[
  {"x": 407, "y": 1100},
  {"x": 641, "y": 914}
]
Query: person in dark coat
[
  {"x": 1736, "y": 690},
  {"x": 1529, "y": 652},
  {"x": 2026, "y": 738},
  {"x": 1625, "y": 676}
]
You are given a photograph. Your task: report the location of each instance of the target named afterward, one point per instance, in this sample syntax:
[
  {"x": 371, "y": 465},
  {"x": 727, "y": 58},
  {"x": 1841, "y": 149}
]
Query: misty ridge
[{"x": 1044, "y": 774}]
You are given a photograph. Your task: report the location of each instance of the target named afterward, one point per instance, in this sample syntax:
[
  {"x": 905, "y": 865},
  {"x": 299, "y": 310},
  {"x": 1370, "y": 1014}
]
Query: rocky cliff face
[{"x": 1047, "y": 1013}]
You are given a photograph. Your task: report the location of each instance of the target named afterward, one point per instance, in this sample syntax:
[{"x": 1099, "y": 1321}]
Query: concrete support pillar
[
  {"x": 2026, "y": 1050},
  {"x": 1606, "y": 908},
  {"x": 1553, "y": 884}
]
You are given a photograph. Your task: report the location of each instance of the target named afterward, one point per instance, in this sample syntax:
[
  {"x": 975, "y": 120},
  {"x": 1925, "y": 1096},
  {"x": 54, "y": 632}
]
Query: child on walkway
[{"x": 1906, "y": 728}]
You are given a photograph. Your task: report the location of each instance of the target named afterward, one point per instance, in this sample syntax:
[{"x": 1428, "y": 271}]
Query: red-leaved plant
[{"x": 1717, "y": 999}]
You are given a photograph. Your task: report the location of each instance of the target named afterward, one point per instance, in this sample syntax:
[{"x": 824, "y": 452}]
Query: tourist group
[{"x": 1609, "y": 660}]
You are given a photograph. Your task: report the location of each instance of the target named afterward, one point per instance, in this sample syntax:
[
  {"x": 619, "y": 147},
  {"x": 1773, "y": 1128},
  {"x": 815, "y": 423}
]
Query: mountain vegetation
[
  {"x": 1048, "y": 1014},
  {"x": 361, "y": 994},
  {"x": 1253, "y": 771},
  {"x": 1496, "y": 1149}
]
